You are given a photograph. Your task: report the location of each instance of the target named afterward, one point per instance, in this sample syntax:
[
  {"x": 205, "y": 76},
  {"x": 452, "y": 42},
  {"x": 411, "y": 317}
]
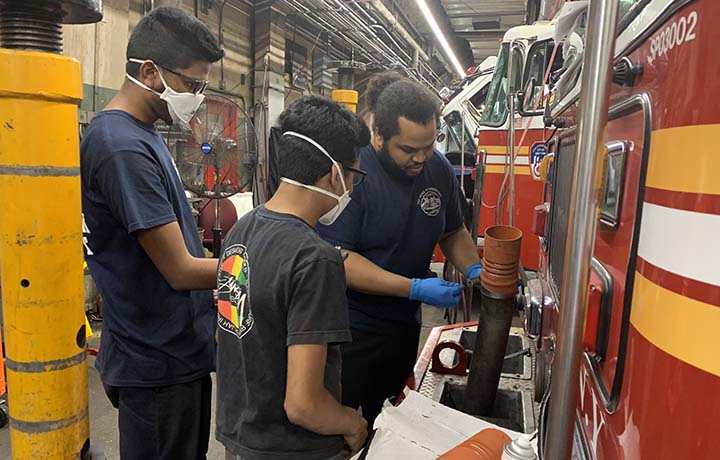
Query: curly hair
[
  {"x": 377, "y": 85},
  {"x": 405, "y": 99}
]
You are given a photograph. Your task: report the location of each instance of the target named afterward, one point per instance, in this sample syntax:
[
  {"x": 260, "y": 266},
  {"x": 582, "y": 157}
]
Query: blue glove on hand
[
  {"x": 436, "y": 292},
  {"x": 473, "y": 272}
]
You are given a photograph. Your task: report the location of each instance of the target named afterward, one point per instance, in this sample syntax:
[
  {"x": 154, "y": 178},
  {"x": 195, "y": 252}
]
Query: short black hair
[
  {"x": 171, "y": 38},
  {"x": 377, "y": 85},
  {"x": 407, "y": 99},
  {"x": 335, "y": 128}
]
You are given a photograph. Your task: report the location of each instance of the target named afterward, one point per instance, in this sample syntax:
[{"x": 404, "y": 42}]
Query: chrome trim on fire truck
[
  {"x": 611, "y": 398},
  {"x": 603, "y": 330},
  {"x": 614, "y": 149}
]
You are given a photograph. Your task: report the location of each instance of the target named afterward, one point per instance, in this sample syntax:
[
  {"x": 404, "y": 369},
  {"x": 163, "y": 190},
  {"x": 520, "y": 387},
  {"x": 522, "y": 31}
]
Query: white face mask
[
  {"x": 182, "y": 106},
  {"x": 343, "y": 200}
]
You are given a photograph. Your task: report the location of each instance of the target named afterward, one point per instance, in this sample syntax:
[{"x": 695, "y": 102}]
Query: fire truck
[
  {"x": 523, "y": 59},
  {"x": 625, "y": 308},
  {"x": 649, "y": 380}
]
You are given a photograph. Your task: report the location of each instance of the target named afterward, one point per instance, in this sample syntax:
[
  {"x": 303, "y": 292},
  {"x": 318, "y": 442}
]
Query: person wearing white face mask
[
  {"x": 157, "y": 348},
  {"x": 282, "y": 308}
]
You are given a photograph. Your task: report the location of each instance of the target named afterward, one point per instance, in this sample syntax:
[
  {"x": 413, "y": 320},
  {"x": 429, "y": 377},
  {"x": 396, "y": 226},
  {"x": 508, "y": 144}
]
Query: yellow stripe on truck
[
  {"x": 680, "y": 326},
  {"x": 502, "y": 150},
  {"x": 520, "y": 170},
  {"x": 685, "y": 159}
]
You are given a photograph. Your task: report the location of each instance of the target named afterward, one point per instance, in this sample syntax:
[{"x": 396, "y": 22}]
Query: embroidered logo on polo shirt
[
  {"x": 430, "y": 201},
  {"x": 234, "y": 313}
]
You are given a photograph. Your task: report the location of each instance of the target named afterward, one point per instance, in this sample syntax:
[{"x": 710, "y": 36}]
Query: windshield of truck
[
  {"x": 496, "y": 103},
  {"x": 454, "y": 122}
]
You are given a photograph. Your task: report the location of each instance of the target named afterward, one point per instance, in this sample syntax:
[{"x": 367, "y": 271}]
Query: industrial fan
[{"x": 218, "y": 156}]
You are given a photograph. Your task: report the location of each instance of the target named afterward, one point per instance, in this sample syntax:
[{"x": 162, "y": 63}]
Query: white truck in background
[{"x": 465, "y": 107}]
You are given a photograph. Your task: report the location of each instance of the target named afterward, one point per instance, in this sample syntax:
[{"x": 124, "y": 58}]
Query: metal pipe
[
  {"x": 360, "y": 23},
  {"x": 221, "y": 39},
  {"x": 332, "y": 28},
  {"x": 390, "y": 18},
  {"x": 594, "y": 96},
  {"x": 357, "y": 30},
  {"x": 511, "y": 133},
  {"x": 496, "y": 312},
  {"x": 477, "y": 195},
  {"x": 462, "y": 153}
]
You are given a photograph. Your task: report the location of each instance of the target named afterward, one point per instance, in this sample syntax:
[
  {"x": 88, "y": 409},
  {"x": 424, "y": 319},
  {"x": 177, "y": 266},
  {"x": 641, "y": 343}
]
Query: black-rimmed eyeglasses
[
  {"x": 193, "y": 85},
  {"x": 358, "y": 175}
]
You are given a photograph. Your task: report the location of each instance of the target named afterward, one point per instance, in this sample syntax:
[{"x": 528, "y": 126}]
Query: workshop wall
[{"x": 100, "y": 48}]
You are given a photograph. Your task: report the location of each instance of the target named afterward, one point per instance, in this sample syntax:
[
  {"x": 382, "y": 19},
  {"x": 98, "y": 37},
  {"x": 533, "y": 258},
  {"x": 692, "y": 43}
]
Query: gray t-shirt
[{"x": 279, "y": 284}]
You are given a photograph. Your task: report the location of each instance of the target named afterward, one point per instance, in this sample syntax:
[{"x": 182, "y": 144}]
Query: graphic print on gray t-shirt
[
  {"x": 279, "y": 285},
  {"x": 234, "y": 313}
]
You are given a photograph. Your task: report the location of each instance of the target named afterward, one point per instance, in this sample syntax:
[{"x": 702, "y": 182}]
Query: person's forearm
[
  {"x": 366, "y": 277},
  {"x": 198, "y": 273},
  {"x": 460, "y": 249},
  {"x": 322, "y": 414}
]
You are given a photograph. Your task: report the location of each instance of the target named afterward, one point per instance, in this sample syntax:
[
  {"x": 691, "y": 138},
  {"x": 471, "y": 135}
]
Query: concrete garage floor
[{"x": 103, "y": 417}]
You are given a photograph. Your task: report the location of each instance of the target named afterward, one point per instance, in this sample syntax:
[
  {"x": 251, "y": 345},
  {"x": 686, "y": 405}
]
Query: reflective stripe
[
  {"x": 686, "y": 243},
  {"x": 685, "y": 159},
  {"x": 682, "y": 327}
]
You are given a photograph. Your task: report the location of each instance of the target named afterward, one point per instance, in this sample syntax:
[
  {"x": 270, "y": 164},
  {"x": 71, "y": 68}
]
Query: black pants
[
  {"x": 374, "y": 369},
  {"x": 163, "y": 423}
]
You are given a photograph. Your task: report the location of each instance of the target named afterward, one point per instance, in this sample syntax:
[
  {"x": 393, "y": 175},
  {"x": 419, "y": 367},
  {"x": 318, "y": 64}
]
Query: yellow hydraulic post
[
  {"x": 347, "y": 97},
  {"x": 41, "y": 230}
]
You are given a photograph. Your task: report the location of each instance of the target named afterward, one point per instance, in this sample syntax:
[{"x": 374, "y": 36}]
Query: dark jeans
[
  {"x": 163, "y": 423},
  {"x": 374, "y": 369}
]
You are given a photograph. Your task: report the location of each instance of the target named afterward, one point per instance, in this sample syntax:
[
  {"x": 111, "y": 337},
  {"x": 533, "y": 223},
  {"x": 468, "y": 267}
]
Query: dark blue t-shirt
[
  {"x": 152, "y": 334},
  {"x": 395, "y": 223}
]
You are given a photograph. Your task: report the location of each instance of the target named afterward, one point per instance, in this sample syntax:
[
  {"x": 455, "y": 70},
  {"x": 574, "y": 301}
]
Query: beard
[{"x": 391, "y": 167}]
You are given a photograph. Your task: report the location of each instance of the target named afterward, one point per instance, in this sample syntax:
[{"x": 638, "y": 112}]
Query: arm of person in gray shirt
[{"x": 309, "y": 404}]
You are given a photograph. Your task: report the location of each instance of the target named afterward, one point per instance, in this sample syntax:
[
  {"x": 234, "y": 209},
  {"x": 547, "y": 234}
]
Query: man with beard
[{"x": 409, "y": 203}]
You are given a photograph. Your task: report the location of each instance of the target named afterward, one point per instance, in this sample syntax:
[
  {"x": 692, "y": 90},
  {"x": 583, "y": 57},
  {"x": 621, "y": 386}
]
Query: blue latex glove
[
  {"x": 473, "y": 272},
  {"x": 436, "y": 292}
]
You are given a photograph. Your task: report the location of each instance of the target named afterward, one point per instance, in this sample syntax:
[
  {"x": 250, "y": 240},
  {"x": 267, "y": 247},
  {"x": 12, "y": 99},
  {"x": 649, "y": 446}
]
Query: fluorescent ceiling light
[{"x": 440, "y": 37}]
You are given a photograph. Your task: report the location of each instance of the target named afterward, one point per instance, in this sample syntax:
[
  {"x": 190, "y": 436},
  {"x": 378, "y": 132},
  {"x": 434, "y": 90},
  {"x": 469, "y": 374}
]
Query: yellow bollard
[
  {"x": 41, "y": 255},
  {"x": 347, "y": 97}
]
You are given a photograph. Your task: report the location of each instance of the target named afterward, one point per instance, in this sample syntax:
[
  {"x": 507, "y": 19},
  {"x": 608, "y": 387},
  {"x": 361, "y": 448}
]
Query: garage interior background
[{"x": 278, "y": 51}]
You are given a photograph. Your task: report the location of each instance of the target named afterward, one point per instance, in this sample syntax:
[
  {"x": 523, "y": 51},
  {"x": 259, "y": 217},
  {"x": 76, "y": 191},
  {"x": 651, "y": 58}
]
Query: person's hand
[
  {"x": 356, "y": 438},
  {"x": 473, "y": 272},
  {"x": 436, "y": 292}
]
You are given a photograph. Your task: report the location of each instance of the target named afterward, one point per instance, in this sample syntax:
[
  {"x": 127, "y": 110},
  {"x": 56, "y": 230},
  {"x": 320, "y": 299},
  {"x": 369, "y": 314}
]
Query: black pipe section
[
  {"x": 221, "y": 39},
  {"x": 496, "y": 313}
]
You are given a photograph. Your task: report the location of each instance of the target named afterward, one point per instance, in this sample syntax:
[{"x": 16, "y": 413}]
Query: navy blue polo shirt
[
  {"x": 153, "y": 335},
  {"x": 395, "y": 222}
]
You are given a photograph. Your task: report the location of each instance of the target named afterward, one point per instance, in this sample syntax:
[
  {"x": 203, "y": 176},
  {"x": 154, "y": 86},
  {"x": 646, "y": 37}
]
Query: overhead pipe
[
  {"x": 348, "y": 26},
  {"x": 593, "y": 110},
  {"x": 392, "y": 20},
  {"x": 333, "y": 29}
]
